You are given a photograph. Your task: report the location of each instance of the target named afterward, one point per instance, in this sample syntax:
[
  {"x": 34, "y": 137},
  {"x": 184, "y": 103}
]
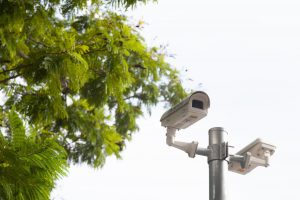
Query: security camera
[
  {"x": 255, "y": 154},
  {"x": 181, "y": 116},
  {"x": 187, "y": 112}
]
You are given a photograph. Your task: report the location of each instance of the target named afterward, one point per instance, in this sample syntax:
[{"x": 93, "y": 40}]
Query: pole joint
[{"x": 217, "y": 152}]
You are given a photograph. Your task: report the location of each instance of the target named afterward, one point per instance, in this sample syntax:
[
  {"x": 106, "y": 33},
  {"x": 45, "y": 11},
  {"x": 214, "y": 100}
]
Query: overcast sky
[{"x": 246, "y": 56}]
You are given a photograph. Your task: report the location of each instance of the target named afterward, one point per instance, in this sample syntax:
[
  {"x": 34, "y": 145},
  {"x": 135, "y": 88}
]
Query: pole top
[{"x": 217, "y": 129}]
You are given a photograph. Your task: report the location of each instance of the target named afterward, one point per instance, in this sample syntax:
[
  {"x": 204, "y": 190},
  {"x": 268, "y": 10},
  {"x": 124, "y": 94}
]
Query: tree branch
[
  {"x": 94, "y": 50},
  {"x": 9, "y": 70},
  {"x": 9, "y": 78},
  {"x": 3, "y": 61},
  {"x": 57, "y": 53},
  {"x": 38, "y": 42},
  {"x": 135, "y": 96},
  {"x": 43, "y": 149},
  {"x": 22, "y": 54},
  {"x": 101, "y": 72}
]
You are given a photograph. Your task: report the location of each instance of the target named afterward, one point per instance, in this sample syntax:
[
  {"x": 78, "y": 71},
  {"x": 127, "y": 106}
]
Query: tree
[{"x": 78, "y": 74}]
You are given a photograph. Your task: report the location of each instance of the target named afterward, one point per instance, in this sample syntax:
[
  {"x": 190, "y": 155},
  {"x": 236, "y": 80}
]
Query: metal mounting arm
[
  {"x": 189, "y": 148},
  {"x": 248, "y": 160}
]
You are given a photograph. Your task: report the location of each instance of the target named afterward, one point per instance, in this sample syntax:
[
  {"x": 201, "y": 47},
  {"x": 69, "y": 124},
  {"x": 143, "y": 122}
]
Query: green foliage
[
  {"x": 29, "y": 165},
  {"x": 127, "y": 3},
  {"x": 76, "y": 74}
]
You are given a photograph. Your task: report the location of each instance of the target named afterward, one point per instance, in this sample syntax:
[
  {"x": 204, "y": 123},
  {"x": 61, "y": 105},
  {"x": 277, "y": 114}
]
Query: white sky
[{"x": 246, "y": 55}]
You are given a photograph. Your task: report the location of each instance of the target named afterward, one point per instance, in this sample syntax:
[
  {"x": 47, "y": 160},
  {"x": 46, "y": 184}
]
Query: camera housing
[
  {"x": 187, "y": 112},
  {"x": 253, "y": 155}
]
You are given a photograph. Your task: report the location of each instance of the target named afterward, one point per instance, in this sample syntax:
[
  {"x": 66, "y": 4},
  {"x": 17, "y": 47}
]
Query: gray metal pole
[{"x": 217, "y": 163}]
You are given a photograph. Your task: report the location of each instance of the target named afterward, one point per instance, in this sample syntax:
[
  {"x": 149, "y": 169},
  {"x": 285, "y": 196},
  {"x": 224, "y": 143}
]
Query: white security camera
[
  {"x": 187, "y": 112},
  {"x": 255, "y": 154},
  {"x": 181, "y": 116}
]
